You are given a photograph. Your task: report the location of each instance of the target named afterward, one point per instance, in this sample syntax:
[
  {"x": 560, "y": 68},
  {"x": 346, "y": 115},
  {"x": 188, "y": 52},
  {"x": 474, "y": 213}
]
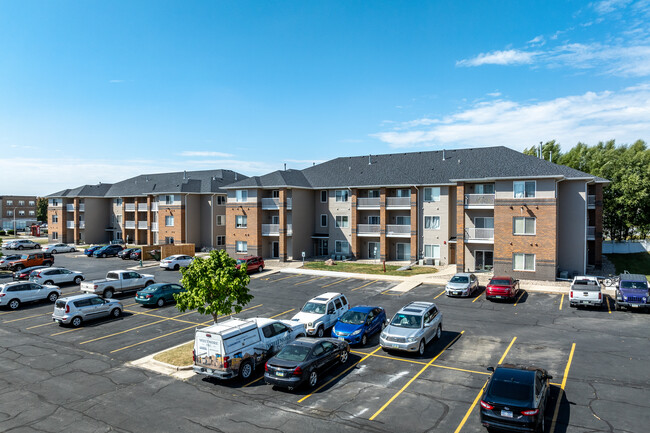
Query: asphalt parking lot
[{"x": 57, "y": 378}]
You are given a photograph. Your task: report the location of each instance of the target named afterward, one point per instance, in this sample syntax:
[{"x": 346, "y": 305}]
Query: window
[
  {"x": 432, "y": 251},
  {"x": 11, "y": 202},
  {"x": 169, "y": 240},
  {"x": 275, "y": 193},
  {"x": 241, "y": 195},
  {"x": 342, "y": 195},
  {"x": 374, "y": 193},
  {"x": 117, "y": 201},
  {"x": 32, "y": 203},
  {"x": 342, "y": 247},
  {"x": 221, "y": 240},
  {"x": 374, "y": 219},
  {"x": 275, "y": 219},
  {"x": 21, "y": 202},
  {"x": 484, "y": 222},
  {"x": 55, "y": 236},
  {"x": 524, "y": 189},
  {"x": 32, "y": 213},
  {"x": 169, "y": 199},
  {"x": 337, "y": 302},
  {"x": 221, "y": 220},
  {"x": 523, "y": 262},
  {"x": 432, "y": 194},
  {"x": 55, "y": 218},
  {"x": 21, "y": 212},
  {"x": 341, "y": 221},
  {"x": 484, "y": 188},
  {"x": 241, "y": 247},
  {"x": 169, "y": 220},
  {"x": 10, "y": 213},
  {"x": 432, "y": 222},
  {"x": 403, "y": 220},
  {"x": 221, "y": 200},
  {"x": 323, "y": 220},
  {"x": 241, "y": 221},
  {"x": 523, "y": 226},
  {"x": 403, "y": 193},
  {"x": 323, "y": 196}
]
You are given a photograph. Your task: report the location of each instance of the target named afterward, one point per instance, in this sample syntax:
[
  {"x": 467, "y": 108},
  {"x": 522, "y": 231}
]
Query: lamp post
[{"x": 15, "y": 232}]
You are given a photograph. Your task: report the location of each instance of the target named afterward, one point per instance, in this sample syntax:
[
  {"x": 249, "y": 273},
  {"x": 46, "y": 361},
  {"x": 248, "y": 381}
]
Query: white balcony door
[
  {"x": 403, "y": 252},
  {"x": 373, "y": 250}
]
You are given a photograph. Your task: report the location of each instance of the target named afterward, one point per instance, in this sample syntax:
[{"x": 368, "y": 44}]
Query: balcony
[
  {"x": 129, "y": 207},
  {"x": 154, "y": 227},
  {"x": 69, "y": 207},
  {"x": 82, "y": 207},
  {"x": 129, "y": 224},
  {"x": 289, "y": 229},
  {"x": 82, "y": 224},
  {"x": 591, "y": 233},
  {"x": 591, "y": 201},
  {"x": 274, "y": 230},
  {"x": 154, "y": 206},
  {"x": 398, "y": 202},
  {"x": 69, "y": 224},
  {"x": 142, "y": 225},
  {"x": 142, "y": 207},
  {"x": 478, "y": 235},
  {"x": 479, "y": 201},
  {"x": 368, "y": 203},
  {"x": 370, "y": 229},
  {"x": 398, "y": 230},
  {"x": 274, "y": 203}
]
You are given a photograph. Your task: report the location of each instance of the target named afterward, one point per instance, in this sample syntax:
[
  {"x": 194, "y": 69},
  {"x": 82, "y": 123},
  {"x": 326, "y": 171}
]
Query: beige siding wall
[
  {"x": 571, "y": 234},
  {"x": 302, "y": 219},
  {"x": 338, "y": 209},
  {"x": 193, "y": 219},
  {"x": 436, "y": 237},
  {"x": 97, "y": 216},
  {"x": 545, "y": 188}
]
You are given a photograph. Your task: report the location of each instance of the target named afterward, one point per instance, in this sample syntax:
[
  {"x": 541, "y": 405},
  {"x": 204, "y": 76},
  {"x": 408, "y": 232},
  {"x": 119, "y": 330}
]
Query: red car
[
  {"x": 253, "y": 263},
  {"x": 502, "y": 288}
]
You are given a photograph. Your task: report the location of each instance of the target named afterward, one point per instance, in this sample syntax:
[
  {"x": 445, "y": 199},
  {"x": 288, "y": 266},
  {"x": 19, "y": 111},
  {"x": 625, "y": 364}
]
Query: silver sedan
[{"x": 58, "y": 248}]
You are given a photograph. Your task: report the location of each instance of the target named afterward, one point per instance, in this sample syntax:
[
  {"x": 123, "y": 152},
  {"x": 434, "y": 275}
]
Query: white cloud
[
  {"x": 537, "y": 41},
  {"x": 195, "y": 153},
  {"x": 507, "y": 57},
  {"x": 590, "y": 117},
  {"x": 494, "y": 94},
  {"x": 116, "y": 81},
  {"x": 607, "y": 6}
]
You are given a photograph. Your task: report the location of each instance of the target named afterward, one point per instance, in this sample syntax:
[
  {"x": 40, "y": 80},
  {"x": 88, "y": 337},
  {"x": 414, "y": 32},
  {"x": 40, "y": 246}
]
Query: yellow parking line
[
  {"x": 38, "y": 326},
  {"x": 440, "y": 294},
  {"x": 25, "y": 318},
  {"x": 256, "y": 380},
  {"x": 478, "y": 297},
  {"x": 284, "y": 278},
  {"x": 480, "y": 393},
  {"x": 280, "y": 314},
  {"x": 142, "y": 313},
  {"x": 427, "y": 365},
  {"x": 561, "y": 301},
  {"x": 411, "y": 361},
  {"x": 338, "y": 375},
  {"x": 519, "y": 298},
  {"x": 561, "y": 394},
  {"x": 175, "y": 332},
  {"x": 305, "y": 282},
  {"x": 336, "y": 282},
  {"x": 484, "y": 373},
  {"x": 367, "y": 284},
  {"x": 65, "y": 332}
]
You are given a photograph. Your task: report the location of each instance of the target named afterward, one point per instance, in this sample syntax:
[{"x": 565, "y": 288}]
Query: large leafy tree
[
  {"x": 41, "y": 209},
  {"x": 214, "y": 286}
]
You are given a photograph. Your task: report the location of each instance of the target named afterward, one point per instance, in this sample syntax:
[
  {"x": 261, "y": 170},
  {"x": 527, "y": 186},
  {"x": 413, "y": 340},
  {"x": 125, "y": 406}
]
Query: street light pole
[{"x": 15, "y": 232}]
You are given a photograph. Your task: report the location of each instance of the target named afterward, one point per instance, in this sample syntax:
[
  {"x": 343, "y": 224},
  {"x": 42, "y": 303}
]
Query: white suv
[
  {"x": 14, "y": 294},
  {"x": 322, "y": 312}
]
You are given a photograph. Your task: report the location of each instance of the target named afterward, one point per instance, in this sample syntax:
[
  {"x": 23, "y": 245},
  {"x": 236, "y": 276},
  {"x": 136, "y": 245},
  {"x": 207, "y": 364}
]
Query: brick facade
[{"x": 252, "y": 234}]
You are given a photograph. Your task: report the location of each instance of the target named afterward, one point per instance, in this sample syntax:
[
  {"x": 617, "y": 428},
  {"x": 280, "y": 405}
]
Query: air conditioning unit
[{"x": 428, "y": 261}]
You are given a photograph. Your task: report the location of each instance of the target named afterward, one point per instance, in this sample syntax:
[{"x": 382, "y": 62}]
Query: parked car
[
  {"x": 176, "y": 262},
  {"x": 31, "y": 259},
  {"x": 359, "y": 323},
  {"x": 321, "y": 313},
  {"x": 462, "y": 284},
  {"x": 4, "y": 260},
  {"x": 632, "y": 292},
  {"x": 412, "y": 328},
  {"x": 24, "y": 274},
  {"x": 304, "y": 361},
  {"x": 14, "y": 294},
  {"x": 515, "y": 398},
  {"x": 125, "y": 254},
  {"x": 253, "y": 263},
  {"x": 58, "y": 248},
  {"x": 117, "y": 282},
  {"x": 56, "y": 276},
  {"x": 502, "y": 288},
  {"x": 585, "y": 291},
  {"x": 136, "y": 254},
  {"x": 107, "y": 251},
  {"x": 5, "y": 244},
  {"x": 237, "y": 347},
  {"x": 22, "y": 244},
  {"x": 158, "y": 294},
  {"x": 90, "y": 250},
  {"x": 74, "y": 310}
]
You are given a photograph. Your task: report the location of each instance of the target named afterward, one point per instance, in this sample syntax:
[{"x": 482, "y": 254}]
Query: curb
[
  {"x": 178, "y": 372},
  {"x": 343, "y": 274}
]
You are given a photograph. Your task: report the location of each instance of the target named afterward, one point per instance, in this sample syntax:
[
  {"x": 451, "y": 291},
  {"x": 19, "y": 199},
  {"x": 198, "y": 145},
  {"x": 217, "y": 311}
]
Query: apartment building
[
  {"x": 486, "y": 208},
  {"x": 180, "y": 207},
  {"x": 17, "y": 209}
]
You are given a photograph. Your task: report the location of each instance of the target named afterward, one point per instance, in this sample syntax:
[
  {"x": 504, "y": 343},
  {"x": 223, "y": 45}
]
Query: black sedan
[
  {"x": 136, "y": 254},
  {"x": 515, "y": 399},
  {"x": 304, "y": 360},
  {"x": 125, "y": 254}
]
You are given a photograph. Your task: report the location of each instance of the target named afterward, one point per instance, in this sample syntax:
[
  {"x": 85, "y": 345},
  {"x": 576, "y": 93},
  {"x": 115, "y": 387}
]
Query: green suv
[{"x": 158, "y": 294}]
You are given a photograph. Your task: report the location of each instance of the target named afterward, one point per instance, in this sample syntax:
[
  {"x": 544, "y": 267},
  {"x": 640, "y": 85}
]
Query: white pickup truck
[
  {"x": 117, "y": 282},
  {"x": 585, "y": 291},
  {"x": 236, "y": 347}
]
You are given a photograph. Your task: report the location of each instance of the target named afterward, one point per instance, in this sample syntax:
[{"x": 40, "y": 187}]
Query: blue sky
[{"x": 99, "y": 91}]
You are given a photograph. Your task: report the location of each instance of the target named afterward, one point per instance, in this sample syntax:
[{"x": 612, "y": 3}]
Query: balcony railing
[
  {"x": 270, "y": 229},
  {"x": 129, "y": 207},
  {"x": 370, "y": 229},
  {"x": 479, "y": 200},
  {"x": 154, "y": 227},
  {"x": 142, "y": 207},
  {"x": 154, "y": 206},
  {"x": 591, "y": 201},
  {"x": 82, "y": 224},
  {"x": 398, "y": 201},
  {"x": 69, "y": 207},
  {"x": 143, "y": 225},
  {"x": 398, "y": 230},
  {"x": 478, "y": 234},
  {"x": 69, "y": 224},
  {"x": 129, "y": 224},
  {"x": 289, "y": 229},
  {"x": 591, "y": 232},
  {"x": 274, "y": 203},
  {"x": 368, "y": 202},
  {"x": 82, "y": 207}
]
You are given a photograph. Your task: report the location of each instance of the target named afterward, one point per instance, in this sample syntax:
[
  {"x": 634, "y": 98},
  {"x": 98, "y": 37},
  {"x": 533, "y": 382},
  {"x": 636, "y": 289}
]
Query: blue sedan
[{"x": 359, "y": 323}]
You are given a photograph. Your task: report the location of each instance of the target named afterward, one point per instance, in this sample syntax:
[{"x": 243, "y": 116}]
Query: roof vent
[
  {"x": 443, "y": 154},
  {"x": 184, "y": 174},
  {"x": 235, "y": 175},
  {"x": 369, "y": 162},
  {"x": 285, "y": 166}
]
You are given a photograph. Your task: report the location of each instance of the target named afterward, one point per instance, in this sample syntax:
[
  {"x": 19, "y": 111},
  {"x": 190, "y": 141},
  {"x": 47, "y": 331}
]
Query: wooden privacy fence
[{"x": 167, "y": 250}]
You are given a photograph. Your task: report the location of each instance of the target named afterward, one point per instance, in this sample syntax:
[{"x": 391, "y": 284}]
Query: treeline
[{"x": 626, "y": 201}]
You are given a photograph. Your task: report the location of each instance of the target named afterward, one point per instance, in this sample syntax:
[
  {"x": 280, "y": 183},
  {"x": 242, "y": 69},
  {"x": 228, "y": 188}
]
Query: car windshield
[
  {"x": 353, "y": 318},
  {"x": 24, "y": 256},
  {"x": 313, "y": 307},
  {"x": 515, "y": 392},
  {"x": 240, "y": 261},
  {"x": 634, "y": 285},
  {"x": 458, "y": 279},
  {"x": 500, "y": 282},
  {"x": 406, "y": 321},
  {"x": 294, "y": 353},
  {"x": 150, "y": 289},
  {"x": 170, "y": 258}
]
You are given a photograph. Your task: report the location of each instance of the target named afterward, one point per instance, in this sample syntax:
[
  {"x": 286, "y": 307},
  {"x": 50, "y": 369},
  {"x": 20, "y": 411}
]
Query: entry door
[
  {"x": 403, "y": 252},
  {"x": 373, "y": 250},
  {"x": 323, "y": 247},
  {"x": 276, "y": 249},
  {"x": 452, "y": 254}
]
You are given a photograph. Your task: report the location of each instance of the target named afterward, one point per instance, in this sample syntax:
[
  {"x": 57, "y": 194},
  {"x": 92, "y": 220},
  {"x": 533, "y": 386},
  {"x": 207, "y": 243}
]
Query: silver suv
[
  {"x": 74, "y": 310},
  {"x": 22, "y": 244},
  {"x": 16, "y": 293},
  {"x": 412, "y": 328}
]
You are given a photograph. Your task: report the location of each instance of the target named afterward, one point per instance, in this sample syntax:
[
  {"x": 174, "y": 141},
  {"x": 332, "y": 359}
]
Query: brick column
[
  {"x": 75, "y": 217},
  {"x": 355, "y": 245},
  {"x": 598, "y": 242},
  {"x": 283, "y": 225},
  {"x": 460, "y": 227},
  {"x": 149, "y": 221},
  {"x": 414, "y": 224},
  {"x": 136, "y": 231},
  {"x": 383, "y": 219}
]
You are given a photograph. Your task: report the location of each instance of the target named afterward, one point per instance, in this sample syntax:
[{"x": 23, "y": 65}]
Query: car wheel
[
  {"x": 160, "y": 302},
  {"x": 108, "y": 293},
  {"x": 320, "y": 332},
  {"x": 260, "y": 269},
  {"x": 103, "y": 256},
  {"x": 20, "y": 247},
  {"x": 148, "y": 283},
  {"x": 313, "y": 378},
  {"x": 53, "y": 251},
  {"x": 439, "y": 332},
  {"x": 19, "y": 267},
  {"x": 77, "y": 280},
  {"x": 541, "y": 428},
  {"x": 52, "y": 297},
  {"x": 116, "y": 312},
  {"x": 76, "y": 322},
  {"x": 246, "y": 370},
  {"x": 344, "y": 357},
  {"x": 421, "y": 348},
  {"x": 176, "y": 267},
  {"x": 364, "y": 340},
  {"x": 14, "y": 304}
]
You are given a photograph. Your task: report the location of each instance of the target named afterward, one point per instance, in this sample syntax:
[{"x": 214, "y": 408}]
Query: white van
[
  {"x": 237, "y": 346},
  {"x": 322, "y": 312}
]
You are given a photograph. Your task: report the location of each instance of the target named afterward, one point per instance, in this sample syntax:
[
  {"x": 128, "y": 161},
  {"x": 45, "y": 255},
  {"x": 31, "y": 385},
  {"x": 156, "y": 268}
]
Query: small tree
[
  {"x": 214, "y": 286},
  {"x": 41, "y": 210}
]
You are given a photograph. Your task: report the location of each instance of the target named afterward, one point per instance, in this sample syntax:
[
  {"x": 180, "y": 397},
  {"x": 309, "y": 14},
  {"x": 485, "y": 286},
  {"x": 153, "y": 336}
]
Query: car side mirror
[
  {"x": 548, "y": 376},
  {"x": 490, "y": 369}
]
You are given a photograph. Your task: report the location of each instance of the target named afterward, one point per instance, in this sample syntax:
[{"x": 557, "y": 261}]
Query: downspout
[
  {"x": 213, "y": 221},
  {"x": 417, "y": 225},
  {"x": 584, "y": 267},
  {"x": 186, "y": 237}
]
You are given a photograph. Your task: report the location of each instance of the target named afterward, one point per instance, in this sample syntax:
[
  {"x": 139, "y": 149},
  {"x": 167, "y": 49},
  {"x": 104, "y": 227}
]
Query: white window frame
[
  {"x": 431, "y": 192},
  {"x": 483, "y": 185},
  {"x": 169, "y": 219},
  {"x": 399, "y": 218},
  {"x": 371, "y": 195},
  {"x": 221, "y": 220},
  {"x": 323, "y": 193},
  {"x": 221, "y": 240},
  {"x": 32, "y": 213},
  {"x": 221, "y": 200},
  {"x": 10, "y": 213},
  {"x": 524, "y": 182},
  {"x": 342, "y": 222},
  {"x": 342, "y": 195},
  {"x": 321, "y": 220},
  {"x": 55, "y": 236},
  {"x": 432, "y": 247},
  {"x": 21, "y": 213},
  {"x": 241, "y": 195},
  {"x": 485, "y": 219},
  {"x": 432, "y": 218},
  {"x": 514, "y": 226},
  {"x": 11, "y": 203},
  {"x": 21, "y": 202},
  {"x": 118, "y": 202},
  {"x": 241, "y": 221},
  {"x": 55, "y": 219},
  {"x": 374, "y": 216},
  {"x": 32, "y": 203},
  {"x": 241, "y": 247},
  {"x": 338, "y": 247},
  {"x": 524, "y": 262}
]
